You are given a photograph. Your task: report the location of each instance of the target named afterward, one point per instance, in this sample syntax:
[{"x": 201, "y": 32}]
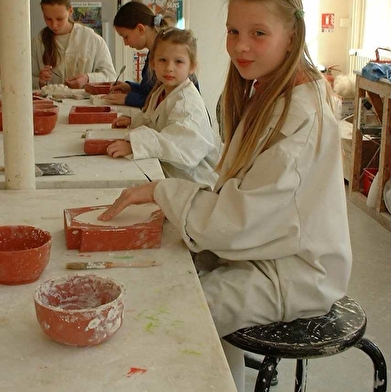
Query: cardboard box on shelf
[
  {"x": 367, "y": 115},
  {"x": 345, "y": 107}
]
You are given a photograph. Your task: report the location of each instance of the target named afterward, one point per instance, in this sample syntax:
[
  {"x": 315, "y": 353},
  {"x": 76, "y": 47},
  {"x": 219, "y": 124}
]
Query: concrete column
[{"x": 16, "y": 84}]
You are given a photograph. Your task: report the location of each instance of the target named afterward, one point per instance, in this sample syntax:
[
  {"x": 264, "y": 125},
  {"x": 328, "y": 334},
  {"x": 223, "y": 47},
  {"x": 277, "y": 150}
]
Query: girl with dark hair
[
  {"x": 68, "y": 53},
  {"x": 138, "y": 26}
]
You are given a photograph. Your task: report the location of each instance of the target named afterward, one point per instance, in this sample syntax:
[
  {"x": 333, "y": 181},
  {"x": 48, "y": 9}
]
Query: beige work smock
[{"x": 273, "y": 241}]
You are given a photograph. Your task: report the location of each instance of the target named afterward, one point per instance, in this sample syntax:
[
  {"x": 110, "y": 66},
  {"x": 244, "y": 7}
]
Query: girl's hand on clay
[
  {"x": 136, "y": 195},
  {"x": 115, "y": 99},
  {"x": 120, "y": 148},
  {"x": 120, "y": 87},
  {"x": 121, "y": 122},
  {"x": 78, "y": 81}
]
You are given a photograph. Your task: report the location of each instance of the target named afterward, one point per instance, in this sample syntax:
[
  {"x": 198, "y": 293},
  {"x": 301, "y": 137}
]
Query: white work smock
[
  {"x": 273, "y": 243},
  {"x": 178, "y": 133},
  {"x": 86, "y": 53}
]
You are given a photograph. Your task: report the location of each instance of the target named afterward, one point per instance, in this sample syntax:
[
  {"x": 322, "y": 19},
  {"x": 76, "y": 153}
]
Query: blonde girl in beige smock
[{"x": 272, "y": 241}]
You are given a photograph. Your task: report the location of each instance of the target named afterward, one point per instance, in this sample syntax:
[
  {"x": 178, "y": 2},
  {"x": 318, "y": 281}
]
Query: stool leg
[
  {"x": 265, "y": 374},
  {"x": 301, "y": 375},
  {"x": 379, "y": 363}
]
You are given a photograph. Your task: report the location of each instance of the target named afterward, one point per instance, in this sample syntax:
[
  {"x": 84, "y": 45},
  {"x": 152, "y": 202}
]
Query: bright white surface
[
  {"x": 105, "y": 134},
  {"x": 167, "y": 327},
  {"x": 90, "y": 171}
]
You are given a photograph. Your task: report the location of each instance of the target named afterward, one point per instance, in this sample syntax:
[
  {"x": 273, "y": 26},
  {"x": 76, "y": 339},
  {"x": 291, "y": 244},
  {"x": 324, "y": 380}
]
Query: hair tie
[
  {"x": 157, "y": 20},
  {"x": 299, "y": 14}
]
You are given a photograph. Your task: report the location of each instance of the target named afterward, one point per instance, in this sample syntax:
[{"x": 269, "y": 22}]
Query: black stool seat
[{"x": 340, "y": 329}]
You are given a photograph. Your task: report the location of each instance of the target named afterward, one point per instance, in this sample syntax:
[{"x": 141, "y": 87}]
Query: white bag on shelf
[
  {"x": 373, "y": 192},
  {"x": 387, "y": 195}
]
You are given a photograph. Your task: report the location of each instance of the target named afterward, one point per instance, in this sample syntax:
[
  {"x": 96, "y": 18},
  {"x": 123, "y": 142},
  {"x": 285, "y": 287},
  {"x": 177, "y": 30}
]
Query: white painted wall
[
  {"x": 207, "y": 20},
  {"x": 328, "y": 48}
]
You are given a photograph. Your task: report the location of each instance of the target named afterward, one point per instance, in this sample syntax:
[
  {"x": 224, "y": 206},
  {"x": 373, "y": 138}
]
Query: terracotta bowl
[
  {"x": 48, "y": 108},
  {"x": 42, "y": 101},
  {"x": 80, "y": 310},
  {"x": 44, "y": 122},
  {"x": 24, "y": 253}
]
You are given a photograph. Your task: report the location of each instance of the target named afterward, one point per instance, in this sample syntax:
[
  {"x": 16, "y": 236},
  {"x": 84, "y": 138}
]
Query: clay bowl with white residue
[
  {"x": 80, "y": 310},
  {"x": 24, "y": 253},
  {"x": 44, "y": 122}
]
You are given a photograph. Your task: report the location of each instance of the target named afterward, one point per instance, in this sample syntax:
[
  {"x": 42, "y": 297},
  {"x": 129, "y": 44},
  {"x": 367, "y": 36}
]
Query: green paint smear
[
  {"x": 153, "y": 318},
  {"x": 177, "y": 323},
  {"x": 191, "y": 352},
  {"x": 157, "y": 318},
  {"x": 150, "y": 326}
]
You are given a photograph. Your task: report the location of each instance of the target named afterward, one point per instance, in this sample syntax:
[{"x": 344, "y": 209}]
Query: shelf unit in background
[{"x": 380, "y": 95}]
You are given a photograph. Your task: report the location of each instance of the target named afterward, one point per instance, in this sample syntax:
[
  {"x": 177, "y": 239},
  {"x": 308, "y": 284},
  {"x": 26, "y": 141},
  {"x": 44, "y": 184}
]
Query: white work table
[
  {"x": 99, "y": 171},
  {"x": 167, "y": 328}
]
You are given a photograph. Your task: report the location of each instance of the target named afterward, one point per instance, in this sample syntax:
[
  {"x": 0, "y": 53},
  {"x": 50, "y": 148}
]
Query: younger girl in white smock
[{"x": 174, "y": 126}]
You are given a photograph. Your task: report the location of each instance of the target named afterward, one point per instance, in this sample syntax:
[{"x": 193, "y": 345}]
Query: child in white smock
[
  {"x": 66, "y": 52},
  {"x": 272, "y": 239},
  {"x": 174, "y": 125}
]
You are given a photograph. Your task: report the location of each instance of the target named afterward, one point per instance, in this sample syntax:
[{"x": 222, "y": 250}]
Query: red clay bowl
[
  {"x": 47, "y": 108},
  {"x": 24, "y": 253},
  {"x": 80, "y": 310},
  {"x": 42, "y": 101},
  {"x": 44, "y": 122}
]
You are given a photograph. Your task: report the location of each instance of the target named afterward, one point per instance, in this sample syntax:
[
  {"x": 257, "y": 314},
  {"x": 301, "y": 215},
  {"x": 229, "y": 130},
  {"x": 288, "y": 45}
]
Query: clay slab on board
[
  {"x": 91, "y": 115},
  {"x": 137, "y": 227},
  {"x": 97, "y": 140}
]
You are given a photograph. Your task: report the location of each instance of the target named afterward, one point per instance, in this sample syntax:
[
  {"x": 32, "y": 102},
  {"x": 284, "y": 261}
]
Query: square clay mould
[
  {"x": 98, "y": 88},
  {"x": 91, "y": 115},
  {"x": 97, "y": 140},
  {"x": 88, "y": 237}
]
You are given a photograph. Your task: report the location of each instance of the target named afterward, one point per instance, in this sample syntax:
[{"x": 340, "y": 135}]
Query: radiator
[{"x": 359, "y": 58}]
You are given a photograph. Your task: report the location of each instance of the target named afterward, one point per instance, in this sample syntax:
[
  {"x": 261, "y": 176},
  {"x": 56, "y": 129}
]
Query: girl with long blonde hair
[{"x": 271, "y": 242}]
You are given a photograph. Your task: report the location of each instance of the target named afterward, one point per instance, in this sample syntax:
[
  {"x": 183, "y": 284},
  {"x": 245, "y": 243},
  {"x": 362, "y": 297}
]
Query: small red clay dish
[{"x": 24, "y": 253}]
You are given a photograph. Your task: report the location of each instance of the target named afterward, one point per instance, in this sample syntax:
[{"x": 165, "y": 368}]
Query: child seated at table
[{"x": 174, "y": 124}]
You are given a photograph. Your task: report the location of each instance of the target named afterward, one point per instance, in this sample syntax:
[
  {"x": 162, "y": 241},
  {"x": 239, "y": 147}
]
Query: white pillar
[{"x": 16, "y": 83}]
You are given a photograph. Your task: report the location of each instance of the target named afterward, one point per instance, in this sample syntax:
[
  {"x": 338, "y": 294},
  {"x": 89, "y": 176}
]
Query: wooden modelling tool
[{"x": 111, "y": 264}]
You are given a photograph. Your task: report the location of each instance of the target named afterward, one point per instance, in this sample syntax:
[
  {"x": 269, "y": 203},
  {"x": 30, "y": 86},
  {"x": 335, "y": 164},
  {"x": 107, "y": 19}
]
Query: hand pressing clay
[{"x": 132, "y": 215}]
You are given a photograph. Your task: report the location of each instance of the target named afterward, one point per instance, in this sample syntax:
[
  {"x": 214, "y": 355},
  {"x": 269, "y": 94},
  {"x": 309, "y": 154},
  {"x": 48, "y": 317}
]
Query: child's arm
[{"x": 121, "y": 122}]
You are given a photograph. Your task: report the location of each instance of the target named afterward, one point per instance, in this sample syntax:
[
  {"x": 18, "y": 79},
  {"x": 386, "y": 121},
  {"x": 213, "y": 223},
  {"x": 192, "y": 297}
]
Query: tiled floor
[{"x": 370, "y": 285}]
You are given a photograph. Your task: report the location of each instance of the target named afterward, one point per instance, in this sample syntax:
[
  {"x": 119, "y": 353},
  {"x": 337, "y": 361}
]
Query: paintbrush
[{"x": 111, "y": 264}]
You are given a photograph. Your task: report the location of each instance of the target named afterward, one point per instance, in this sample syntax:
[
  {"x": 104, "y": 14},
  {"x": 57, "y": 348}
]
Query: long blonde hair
[{"x": 239, "y": 101}]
